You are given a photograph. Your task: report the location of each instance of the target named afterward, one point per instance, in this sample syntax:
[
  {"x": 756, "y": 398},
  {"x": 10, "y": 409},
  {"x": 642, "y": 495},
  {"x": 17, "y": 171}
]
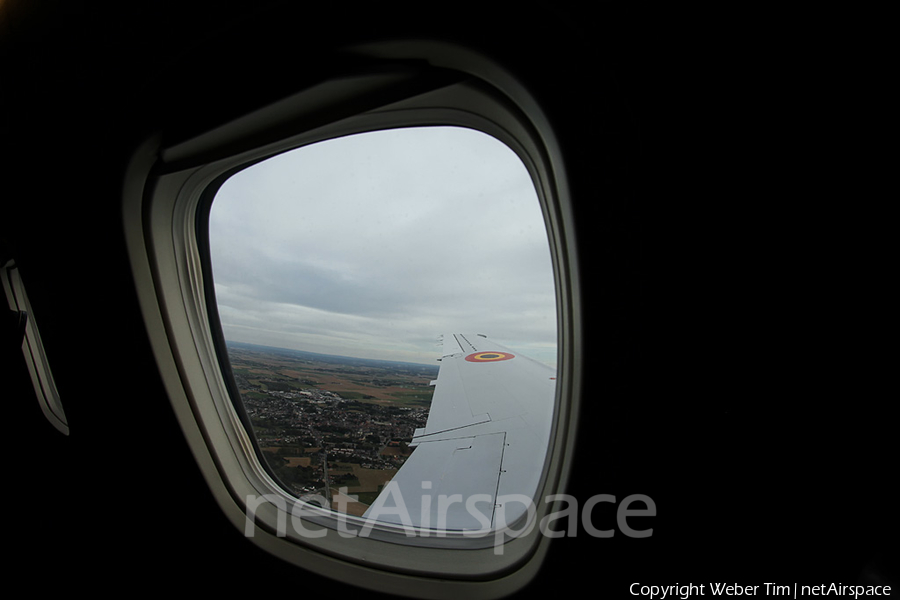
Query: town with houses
[{"x": 331, "y": 425}]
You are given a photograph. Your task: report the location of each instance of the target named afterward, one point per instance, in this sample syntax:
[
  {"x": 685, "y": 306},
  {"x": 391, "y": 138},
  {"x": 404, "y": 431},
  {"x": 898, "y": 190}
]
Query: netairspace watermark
[
  {"x": 505, "y": 517},
  {"x": 690, "y": 590}
]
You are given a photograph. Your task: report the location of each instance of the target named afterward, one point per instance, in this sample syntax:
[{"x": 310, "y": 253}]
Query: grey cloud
[{"x": 374, "y": 250}]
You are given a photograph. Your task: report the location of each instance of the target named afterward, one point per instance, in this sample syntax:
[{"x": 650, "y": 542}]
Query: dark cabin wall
[{"x": 711, "y": 384}]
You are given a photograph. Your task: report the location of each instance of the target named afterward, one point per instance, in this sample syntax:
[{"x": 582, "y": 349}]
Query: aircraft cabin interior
[{"x": 672, "y": 398}]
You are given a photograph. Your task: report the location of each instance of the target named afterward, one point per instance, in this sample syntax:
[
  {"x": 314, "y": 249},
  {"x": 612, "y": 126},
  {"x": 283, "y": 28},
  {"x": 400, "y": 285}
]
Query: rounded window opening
[{"x": 389, "y": 310}]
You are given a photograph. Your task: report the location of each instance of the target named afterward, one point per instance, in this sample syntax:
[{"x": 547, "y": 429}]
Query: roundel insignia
[{"x": 489, "y": 356}]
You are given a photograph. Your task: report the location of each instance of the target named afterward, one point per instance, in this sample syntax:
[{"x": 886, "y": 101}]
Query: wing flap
[{"x": 445, "y": 485}]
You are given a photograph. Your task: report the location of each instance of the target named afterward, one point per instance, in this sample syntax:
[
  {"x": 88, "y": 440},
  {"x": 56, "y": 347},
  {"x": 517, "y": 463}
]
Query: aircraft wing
[{"x": 486, "y": 438}]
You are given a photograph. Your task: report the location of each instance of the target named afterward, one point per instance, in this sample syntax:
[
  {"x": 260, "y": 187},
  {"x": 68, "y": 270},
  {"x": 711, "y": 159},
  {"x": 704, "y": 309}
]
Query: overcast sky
[{"x": 375, "y": 244}]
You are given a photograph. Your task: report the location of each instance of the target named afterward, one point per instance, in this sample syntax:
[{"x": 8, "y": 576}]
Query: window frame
[
  {"x": 167, "y": 195},
  {"x": 33, "y": 348}
]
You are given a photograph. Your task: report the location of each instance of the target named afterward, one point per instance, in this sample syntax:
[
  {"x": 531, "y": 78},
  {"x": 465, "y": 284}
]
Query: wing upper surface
[{"x": 486, "y": 438}]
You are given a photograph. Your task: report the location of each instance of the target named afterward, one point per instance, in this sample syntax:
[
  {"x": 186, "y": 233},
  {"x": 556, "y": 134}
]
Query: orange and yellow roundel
[{"x": 489, "y": 356}]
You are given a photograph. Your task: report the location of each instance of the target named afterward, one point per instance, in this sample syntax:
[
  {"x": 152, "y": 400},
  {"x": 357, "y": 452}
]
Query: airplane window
[
  {"x": 32, "y": 346},
  {"x": 337, "y": 268}
]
